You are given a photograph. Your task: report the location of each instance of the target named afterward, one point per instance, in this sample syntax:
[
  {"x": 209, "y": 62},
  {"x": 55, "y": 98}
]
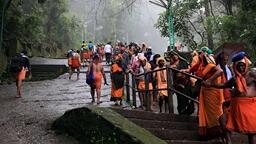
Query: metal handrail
[
  {"x": 152, "y": 71},
  {"x": 188, "y": 74},
  {"x": 170, "y": 88},
  {"x": 173, "y": 89},
  {"x": 132, "y": 87},
  {"x": 174, "y": 69}
]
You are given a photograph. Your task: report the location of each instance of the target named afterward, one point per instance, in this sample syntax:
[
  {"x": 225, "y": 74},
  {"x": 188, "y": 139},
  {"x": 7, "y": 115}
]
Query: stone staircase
[
  {"x": 52, "y": 71},
  {"x": 44, "y": 72},
  {"x": 173, "y": 128}
]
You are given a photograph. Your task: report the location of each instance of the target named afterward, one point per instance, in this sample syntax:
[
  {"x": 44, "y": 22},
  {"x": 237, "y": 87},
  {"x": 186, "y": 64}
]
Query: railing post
[
  {"x": 169, "y": 85},
  {"x": 127, "y": 87},
  {"x": 146, "y": 93},
  {"x": 134, "y": 91}
]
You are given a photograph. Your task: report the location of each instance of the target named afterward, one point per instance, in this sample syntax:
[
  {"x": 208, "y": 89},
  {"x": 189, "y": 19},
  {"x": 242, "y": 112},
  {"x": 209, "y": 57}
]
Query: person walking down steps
[{"x": 97, "y": 70}]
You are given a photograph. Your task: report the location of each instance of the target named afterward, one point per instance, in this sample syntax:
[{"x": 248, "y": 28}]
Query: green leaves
[
  {"x": 44, "y": 25},
  {"x": 162, "y": 24},
  {"x": 225, "y": 22},
  {"x": 184, "y": 27}
]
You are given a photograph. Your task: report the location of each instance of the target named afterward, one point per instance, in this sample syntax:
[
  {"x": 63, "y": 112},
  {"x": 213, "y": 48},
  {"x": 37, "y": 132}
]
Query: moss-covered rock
[{"x": 102, "y": 126}]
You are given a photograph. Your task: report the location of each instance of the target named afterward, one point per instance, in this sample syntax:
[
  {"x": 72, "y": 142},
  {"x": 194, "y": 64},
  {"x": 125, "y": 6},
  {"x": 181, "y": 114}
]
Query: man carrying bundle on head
[
  {"x": 84, "y": 54},
  {"x": 90, "y": 47}
]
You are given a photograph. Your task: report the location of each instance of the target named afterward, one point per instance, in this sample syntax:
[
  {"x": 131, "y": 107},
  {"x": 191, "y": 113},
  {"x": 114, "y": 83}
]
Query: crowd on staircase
[{"x": 226, "y": 93}]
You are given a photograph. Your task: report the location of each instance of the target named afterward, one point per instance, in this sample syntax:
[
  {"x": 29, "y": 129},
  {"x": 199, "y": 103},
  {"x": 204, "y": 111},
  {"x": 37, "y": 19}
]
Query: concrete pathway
[{"x": 27, "y": 120}]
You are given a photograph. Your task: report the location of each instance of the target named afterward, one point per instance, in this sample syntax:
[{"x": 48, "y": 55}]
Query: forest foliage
[
  {"x": 43, "y": 27},
  {"x": 218, "y": 21}
]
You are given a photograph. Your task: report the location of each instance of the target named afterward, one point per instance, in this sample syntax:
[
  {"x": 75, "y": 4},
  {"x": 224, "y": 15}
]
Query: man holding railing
[
  {"x": 182, "y": 83},
  {"x": 144, "y": 67},
  {"x": 211, "y": 99},
  {"x": 241, "y": 116},
  {"x": 154, "y": 65}
]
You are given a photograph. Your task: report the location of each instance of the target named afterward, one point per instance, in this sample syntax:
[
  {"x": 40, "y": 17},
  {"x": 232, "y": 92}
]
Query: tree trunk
[{"x": 209, "y": 32}]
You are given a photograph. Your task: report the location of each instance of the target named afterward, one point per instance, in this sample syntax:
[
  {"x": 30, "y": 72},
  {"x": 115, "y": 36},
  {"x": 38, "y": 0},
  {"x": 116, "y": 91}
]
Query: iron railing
[{"x": 170, "y": 87}]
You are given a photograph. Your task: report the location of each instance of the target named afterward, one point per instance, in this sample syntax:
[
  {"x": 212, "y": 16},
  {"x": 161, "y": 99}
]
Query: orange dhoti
[
  {"x": 210, "y": 110},
  {"x": 22, "y": 74},
  {"x": 117, "y": 86},
  {"x": 97, "y": 79},
  {"x": 116, "y": 94},
  {"x": 142, "y": 86},
  {"x": 210, "y": 107},
  {"x": 161, "y": 82},
  {"x": 75, "y": 63},
  {"x": 162, "y": 85},
  {"x": 86, "y": 55},
  {"x": 242, "y": 115}
]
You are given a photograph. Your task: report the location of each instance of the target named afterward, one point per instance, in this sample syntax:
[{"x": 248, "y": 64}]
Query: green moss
[
  {"x": 136, "y": 132},
  {"x": 90, "y": 128},
  {"x": 102, "y": 126}
]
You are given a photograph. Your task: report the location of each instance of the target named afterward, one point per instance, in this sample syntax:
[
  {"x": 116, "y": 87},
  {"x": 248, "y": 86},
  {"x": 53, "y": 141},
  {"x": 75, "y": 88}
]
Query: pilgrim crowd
[{"x": 225, "y": 87}]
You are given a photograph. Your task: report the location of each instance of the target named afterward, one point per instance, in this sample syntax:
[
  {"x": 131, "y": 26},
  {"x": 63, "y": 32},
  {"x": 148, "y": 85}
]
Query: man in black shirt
[{"x": 25, "y": 64}]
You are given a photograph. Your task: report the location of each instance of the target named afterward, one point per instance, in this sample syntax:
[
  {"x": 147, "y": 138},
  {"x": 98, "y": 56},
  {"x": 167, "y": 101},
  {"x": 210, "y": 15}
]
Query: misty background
[{"x": 119, "y": 20}]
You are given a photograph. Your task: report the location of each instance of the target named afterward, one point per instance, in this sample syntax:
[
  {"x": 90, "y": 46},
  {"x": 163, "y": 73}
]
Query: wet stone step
[
  {"x": 239, "y": 138},
  {"x": 165, "y": 124},
  {"x": 236, "y": 139},
  {"x": 193, "y": 142},
  {"x": 167, "y": 134},
  {"x": 186, "y": 135},
  {"x": 156, "y": 116}
]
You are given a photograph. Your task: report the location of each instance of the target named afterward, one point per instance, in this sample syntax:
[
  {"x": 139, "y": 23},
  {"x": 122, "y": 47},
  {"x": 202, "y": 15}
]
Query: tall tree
[
  {"x": 41, "y": 27},
  {"x": 215, "y": 22}
]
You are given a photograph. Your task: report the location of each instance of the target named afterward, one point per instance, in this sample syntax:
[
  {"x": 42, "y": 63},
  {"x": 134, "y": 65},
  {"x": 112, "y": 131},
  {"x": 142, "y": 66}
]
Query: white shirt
[
  {"x": 108, "y": 48},
  {"x": 140, "y": 54},
  {"x": 228, "y": 71},
  {"x": 95, "y": 48}
]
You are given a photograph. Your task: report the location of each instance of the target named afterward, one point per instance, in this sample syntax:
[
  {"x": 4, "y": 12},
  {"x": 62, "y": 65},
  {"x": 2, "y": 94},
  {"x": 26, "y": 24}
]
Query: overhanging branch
[{"x": 158, "y": 4}]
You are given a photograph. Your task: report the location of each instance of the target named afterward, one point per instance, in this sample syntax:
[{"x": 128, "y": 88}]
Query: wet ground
[{"x": 27, "y": 120}]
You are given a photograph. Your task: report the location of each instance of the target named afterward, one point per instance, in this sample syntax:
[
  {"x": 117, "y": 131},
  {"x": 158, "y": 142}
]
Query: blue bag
[{"x": 90, "y": 78}]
